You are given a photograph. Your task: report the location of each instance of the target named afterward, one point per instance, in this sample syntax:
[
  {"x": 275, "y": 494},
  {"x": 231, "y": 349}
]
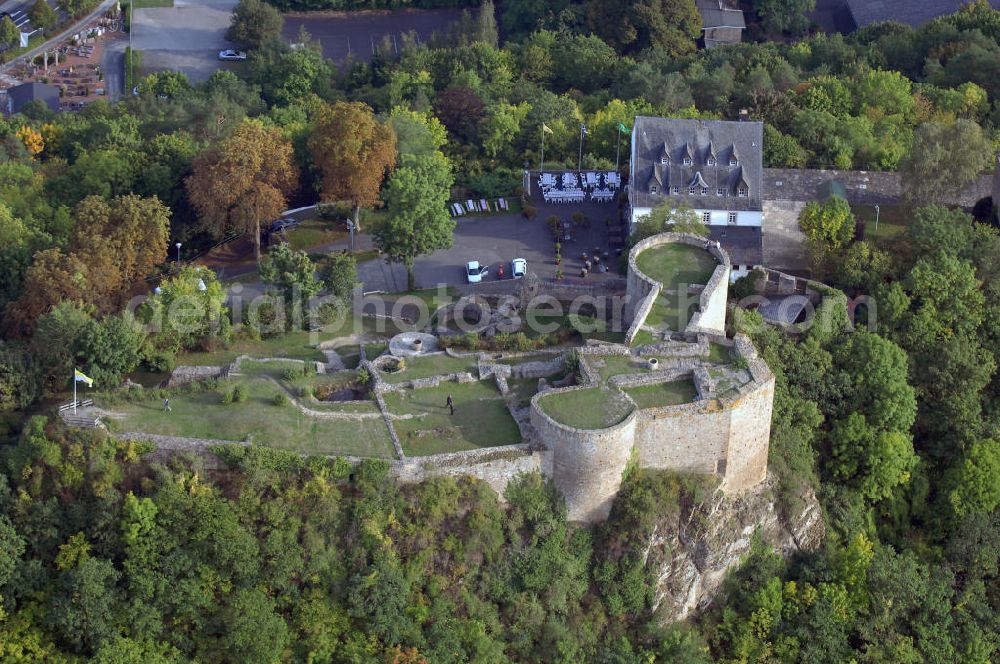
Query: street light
[
  {"x": 876, "y": 218},
  {"x": 178, "y": 245},
  {"x": 350, "y": 227}
]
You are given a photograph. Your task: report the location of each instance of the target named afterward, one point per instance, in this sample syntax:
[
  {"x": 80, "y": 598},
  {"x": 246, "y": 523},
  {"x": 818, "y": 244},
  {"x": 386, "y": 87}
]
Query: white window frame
[
  {"x": 664, "y": 161},
  {"x": 734, "y": 162},
  {"x": 677, "y": 191},
  {"x": 691, "y": 191},
  {"x": 732, "y": 218},
  {"x": 687, "y": 161},
  {"x": 742, "y": 192},
  {"x": 653, "y": 189},
  {"x": 711, "y": 161},
  {"x": 704, "y": 191},
  {"x": 706, "y": 218},
  {"x": 721, "y": 191}
]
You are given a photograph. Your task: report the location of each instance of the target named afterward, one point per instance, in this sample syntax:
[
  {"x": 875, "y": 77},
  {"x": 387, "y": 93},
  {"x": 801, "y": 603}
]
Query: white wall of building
[{"x": 717, "y": 217}]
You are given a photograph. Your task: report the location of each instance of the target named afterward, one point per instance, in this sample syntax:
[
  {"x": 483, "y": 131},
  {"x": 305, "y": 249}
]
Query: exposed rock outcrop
[{"x": 693, "y": 552}]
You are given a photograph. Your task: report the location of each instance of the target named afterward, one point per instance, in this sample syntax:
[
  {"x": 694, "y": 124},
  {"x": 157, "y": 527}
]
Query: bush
[
  {"x": 292, "y": 374},
  {"x": 529, "y": 212},
  {"x": 280, "y": 399},
  {"x": 227, "y": 397},
  {"x": 747, "y": 286},
  {"x": 240, "y": 393},
  {"x": 160, "y": 361}
]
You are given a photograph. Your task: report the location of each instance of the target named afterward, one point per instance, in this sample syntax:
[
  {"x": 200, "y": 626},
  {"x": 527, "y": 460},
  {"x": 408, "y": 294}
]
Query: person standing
[
  {"x": 166, "y": 405},
  {"x": 451, "y": 404}
]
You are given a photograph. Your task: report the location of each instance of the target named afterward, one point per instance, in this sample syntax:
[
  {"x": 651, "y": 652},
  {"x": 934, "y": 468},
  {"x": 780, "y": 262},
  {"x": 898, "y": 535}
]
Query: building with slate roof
[
  {"x": 714, "y": 166},
  {"x": 19, "y": 95},
  {"x": 910, "y": 12},
  {"x": 720, "y": 22}
]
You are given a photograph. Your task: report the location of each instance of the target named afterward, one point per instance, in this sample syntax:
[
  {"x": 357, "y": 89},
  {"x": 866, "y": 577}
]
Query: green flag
[{"x": 623, "y": 129}]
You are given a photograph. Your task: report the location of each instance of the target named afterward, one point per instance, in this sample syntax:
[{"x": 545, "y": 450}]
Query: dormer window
[
  {"x": 711, "y": 161},
  {"x": 742, "y": 192},
  {"x": 653, "y": 189},
  {"x": 704, "y": 191},
  {"x": 664, "y": 161},
  {"x": 733, "y": 162},
  {"x": 677, "y": 191},
  {"x": 691, "y": 191},
  {"x": 720, "y": 192},
  {"x": 687, "y": 161}
]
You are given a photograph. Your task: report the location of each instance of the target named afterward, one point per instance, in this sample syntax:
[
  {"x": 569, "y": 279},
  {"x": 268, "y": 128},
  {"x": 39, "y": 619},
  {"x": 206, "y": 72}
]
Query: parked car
[
  {"x": 283, "y": 224},
  {"x": 231, "y": 54},
  {"x": 475, "y": 272},
  {"x": 518, "y": 267}
]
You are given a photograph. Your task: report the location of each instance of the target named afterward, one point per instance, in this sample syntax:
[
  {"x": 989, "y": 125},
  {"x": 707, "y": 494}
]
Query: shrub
[
  {"x": 292, "y": 374},
  {"x": 227, "y": 397},
  {"x": 364, "y": 377},
  {"x": 160, "y": 361},
  {"x": 747, "y": 286},
  {"x": 279, "y": 399},
  {"x": 529, "y": 212}
]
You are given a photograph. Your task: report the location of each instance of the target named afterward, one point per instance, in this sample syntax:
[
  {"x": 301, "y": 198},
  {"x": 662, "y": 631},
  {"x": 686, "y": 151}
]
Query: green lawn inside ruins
[
  {"x": 425, "y": 426},
  {"x": 674, "y": 393},
  {"x": 675, "y": 266},
  {"x": 586, "y": 408}
]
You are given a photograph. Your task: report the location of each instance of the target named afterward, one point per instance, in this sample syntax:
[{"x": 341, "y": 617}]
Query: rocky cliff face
[{"x": 693, "y": 550}]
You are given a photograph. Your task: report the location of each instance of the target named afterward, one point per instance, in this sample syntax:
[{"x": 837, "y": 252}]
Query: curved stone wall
[
  {"x": 587, "y": 464},
  {"x": 641, "y": 290}
]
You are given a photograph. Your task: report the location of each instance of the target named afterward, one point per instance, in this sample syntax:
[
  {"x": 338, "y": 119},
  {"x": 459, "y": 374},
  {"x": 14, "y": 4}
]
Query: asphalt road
[
  {"x": 358, "y": 33},
  {"x": 113, "y": 66}
]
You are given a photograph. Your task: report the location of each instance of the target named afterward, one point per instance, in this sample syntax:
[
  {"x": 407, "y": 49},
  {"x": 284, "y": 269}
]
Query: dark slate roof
[
  {"x": 911, "y": 12},
  {"x": 745, "y": 244},
  {"x": 697, "y": 138},
  {"x": 716, "y": 14},
  {"x": 19, "y": 95}
]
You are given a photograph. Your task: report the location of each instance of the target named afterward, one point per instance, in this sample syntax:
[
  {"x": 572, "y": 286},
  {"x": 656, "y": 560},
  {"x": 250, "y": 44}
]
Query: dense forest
[{"x": 109, "y": 555}]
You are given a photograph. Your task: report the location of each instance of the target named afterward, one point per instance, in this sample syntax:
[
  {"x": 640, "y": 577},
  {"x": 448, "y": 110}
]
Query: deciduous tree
[
  {"x": 42, "y": 15},
  {"x": 944, "y": 159},
  {"x": 828, "y": 226},
  {"x": 353, "y": 152},
  {"x": 255, "y": 22},
  {"x": 633, "y": 25},
  {"x": 416, "y": 197},
  {"x": 244, "y": 181}
]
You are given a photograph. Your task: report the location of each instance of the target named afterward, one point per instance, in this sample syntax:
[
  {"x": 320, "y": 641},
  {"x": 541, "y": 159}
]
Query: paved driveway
[
  {"x": 495, "y": 239},
  {"x": 186, "y": 37}
]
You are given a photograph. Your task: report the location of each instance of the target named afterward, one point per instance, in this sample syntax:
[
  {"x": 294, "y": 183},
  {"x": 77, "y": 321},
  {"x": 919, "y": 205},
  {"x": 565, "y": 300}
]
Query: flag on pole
[
  {"x": 623, "y": 129},
  {"x": 546, "y": 129},
  {"x": 80, "y": 377},
  {"x": 583, "y": 129}
]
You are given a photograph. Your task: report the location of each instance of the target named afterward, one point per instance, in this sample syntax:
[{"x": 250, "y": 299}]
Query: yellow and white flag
[
  {"x": 546, "y": 129},
  {"x": 80, "y": 377}
]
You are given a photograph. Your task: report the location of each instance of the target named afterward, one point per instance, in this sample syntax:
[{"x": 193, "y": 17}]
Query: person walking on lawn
[
  {"x": 451, "y": 404},
  {"x": 166, "y": 405}
]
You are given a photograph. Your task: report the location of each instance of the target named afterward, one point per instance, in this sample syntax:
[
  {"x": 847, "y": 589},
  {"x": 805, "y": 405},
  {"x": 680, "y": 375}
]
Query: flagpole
[
  {"x": 579, "y": 163},
  {"x": 618, "y": 147},
  {"x": 541, "y": 166},
  {"x": 74, "y": 391}
]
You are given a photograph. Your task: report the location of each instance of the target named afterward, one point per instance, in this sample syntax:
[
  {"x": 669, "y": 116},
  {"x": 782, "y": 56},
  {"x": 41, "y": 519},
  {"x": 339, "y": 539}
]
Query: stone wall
[
  {"x": 689, "y": 437},
  {"x": 496, "y": 466},
  {"x": 641, "y": 290},
  {"x": 587, "y": 464}
]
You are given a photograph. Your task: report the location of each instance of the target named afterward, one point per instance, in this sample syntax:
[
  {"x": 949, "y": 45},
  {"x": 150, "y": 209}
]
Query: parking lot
[
  {"x": 186, "y": 37},
  {"x": 501, "y": 238}
]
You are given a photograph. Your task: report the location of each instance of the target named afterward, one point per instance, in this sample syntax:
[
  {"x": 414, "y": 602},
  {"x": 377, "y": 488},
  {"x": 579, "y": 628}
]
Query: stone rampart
[
  {"x": 587, "y": 464},
  {"x": 642, "y": 290}
]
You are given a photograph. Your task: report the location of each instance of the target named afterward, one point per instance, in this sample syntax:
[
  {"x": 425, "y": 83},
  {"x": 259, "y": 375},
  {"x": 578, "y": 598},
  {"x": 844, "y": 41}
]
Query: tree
[
  {"x": 56, "y": 341},
  {"x": 82, "y": 609},
  {"x": 340, "y": 274},
  {"x": 828, "y": 226},
  {"x": 416, "y": 197},
  {"x": 417, "y": 133},
  {"x": 244, "y": 180},
  {"x": 255, "y": 22},
  {"x": 186, "y": 308},
  {"x": 486, "y": 24},
  {"x": 873, "y": 461},
  {"x": 677, "y": 218},
  {"x": 76, "y": 7},
  {"x": 42, "y": 15},
  {"x": 976, "y": 481},
  {"x": 111, "y": 348},
  {"x": 461, "y": 110},
  {"x": 634, "y": 25},
  {"x": 874, "y": 372},
  {"x": 292, "y": 272},
  {"x": 784, "y": 15},
  {"x": 12, "y": 546},
  {"x": 521, "y": 17},
  {"x": 10, "y": 36},
  {"x": 353, "y": 152},
  {"x": 944, "y": 159},
  {"x": 254, "y": 632}
]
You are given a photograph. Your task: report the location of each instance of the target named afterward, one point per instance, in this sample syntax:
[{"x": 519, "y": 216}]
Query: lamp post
[
  {"x": 876, "y": 218},
  {"x": 178, "y": 245}
]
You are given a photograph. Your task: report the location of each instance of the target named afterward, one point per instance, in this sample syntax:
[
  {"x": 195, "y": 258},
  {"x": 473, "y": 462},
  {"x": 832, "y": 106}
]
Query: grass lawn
[
  {"x": 523, "y": 389},
  {"x": 588, "y": 408},
  {"x": 481, "y": 418},
  {"x": 315, "y": 233},
  {"x": 664, "y": 394},
  {"x": 142, "y": 4},
  {"x": 351, "y": 356},
  {"x": 618, "y": 365},
  {"x": 674, "y": 264},
  {"x": 430, "y": 365},
  {"x": 514, "y": 361},
  {"x": 203, "y": 415},
  {"x": 719, "y": 354},
  {"x": 892, "y": 222},
  {"x": 294, "y": 345},
  {"x": 643, "y": 338}
]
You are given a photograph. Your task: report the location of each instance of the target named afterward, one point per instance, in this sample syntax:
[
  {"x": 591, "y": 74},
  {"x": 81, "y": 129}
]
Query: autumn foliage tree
[
  {"x": 115, "y": 244},
  {"x": 244, "y": 180},
  {"x": 353, "y": 152}
]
